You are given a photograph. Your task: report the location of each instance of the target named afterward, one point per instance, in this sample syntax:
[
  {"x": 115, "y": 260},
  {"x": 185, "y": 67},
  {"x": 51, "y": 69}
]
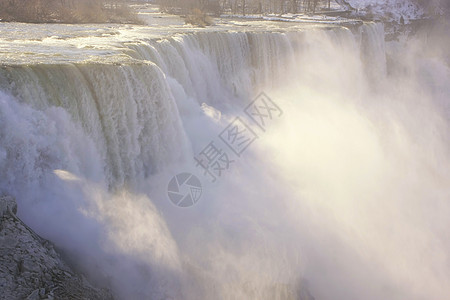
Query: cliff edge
[{"x": 31, "y": 269}]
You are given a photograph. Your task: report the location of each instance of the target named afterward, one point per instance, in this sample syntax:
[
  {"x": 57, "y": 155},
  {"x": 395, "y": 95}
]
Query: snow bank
[{"x": 394, "y": 10}]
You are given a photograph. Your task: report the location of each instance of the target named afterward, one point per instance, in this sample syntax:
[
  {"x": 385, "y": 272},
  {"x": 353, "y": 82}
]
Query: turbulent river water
[{"x": 344, "y": 196}]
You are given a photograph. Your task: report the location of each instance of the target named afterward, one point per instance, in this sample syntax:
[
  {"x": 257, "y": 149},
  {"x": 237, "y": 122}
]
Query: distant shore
[{"x": 79, "y": 12}]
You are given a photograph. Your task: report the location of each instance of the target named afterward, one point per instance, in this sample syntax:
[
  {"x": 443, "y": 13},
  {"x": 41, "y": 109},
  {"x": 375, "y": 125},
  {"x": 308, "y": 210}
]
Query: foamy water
[{"x": 345, "y": 196}]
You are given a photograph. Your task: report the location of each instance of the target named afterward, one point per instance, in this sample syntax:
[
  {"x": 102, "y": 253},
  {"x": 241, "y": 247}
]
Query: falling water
[{"x": 344, "y": 197}]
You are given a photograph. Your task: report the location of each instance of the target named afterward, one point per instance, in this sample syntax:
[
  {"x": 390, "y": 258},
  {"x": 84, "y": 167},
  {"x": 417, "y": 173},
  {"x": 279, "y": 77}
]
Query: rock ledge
[{"x": 31, "y": 269}]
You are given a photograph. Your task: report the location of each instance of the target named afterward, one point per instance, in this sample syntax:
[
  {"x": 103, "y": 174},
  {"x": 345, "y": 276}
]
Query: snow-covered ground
[
  {"x": 394, "y": 10},
  {"x": 386, "y": 10},
  {"x": 297, "y": 18}
]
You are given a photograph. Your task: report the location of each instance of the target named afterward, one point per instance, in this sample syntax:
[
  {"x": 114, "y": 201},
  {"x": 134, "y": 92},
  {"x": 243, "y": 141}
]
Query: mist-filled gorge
[{"x": 343, "y": 194}]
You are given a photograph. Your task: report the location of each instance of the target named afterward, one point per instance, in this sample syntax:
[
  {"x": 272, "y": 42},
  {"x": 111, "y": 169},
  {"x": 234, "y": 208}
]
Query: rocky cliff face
[{"x": 30, "y": 268}]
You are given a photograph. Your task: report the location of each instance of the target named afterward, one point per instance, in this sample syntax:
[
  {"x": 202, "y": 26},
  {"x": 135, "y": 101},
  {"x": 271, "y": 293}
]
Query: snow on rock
[
  {"x": 30, "y": 267},
  {"x": 397, "y": 10},
  {"x": 391, "y": 9},
  {"x": 344, "y": 4}
]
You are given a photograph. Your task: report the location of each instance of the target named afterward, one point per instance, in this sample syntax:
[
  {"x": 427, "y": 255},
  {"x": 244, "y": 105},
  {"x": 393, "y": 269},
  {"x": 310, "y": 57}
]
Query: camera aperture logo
[{"x": 184, "y": 190}]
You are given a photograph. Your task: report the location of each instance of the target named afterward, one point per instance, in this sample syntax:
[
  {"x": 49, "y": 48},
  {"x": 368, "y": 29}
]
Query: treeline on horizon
[
  {"x": 67, "y": 11},
  {"x": 244, "y": 6}
]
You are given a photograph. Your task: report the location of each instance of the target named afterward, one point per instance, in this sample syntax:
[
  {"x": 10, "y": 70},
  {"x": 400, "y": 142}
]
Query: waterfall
[
  {"x": 88, "y": 148},
  {"x": 136, "y": 104}
]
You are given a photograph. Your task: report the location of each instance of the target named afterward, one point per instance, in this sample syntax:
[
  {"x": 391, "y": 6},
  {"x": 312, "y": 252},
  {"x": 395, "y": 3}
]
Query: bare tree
[{"x": 245, "y": 7}]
